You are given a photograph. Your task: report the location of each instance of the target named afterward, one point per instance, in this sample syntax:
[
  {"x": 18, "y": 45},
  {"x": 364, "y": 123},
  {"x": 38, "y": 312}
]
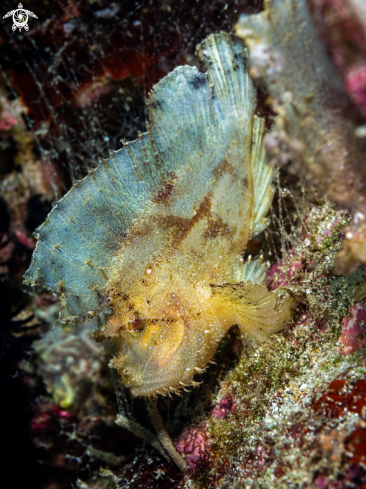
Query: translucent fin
[
  {"x": 182, "y": 120},
  {"x": 194, "y": 117},
  {"x": 225, "y": 61},
  {"x": 262, "y": 179},
  {"x": 259, "y": 313},
  {"x": 253, "y": 271},
  {"x": 85, "y": 228}
]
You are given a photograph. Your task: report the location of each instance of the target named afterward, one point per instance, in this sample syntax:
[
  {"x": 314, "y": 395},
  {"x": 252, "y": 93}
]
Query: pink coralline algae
[
  {"x": 261, "y": 453},
  {"x": 46, "y": 415},
  {"x": 281, "y": 273},
  {"x": 24, "y": 240},
  {"x": 193, "y": 444},
  {"x": 322, "y": 482},
  {"x": 7, "y": 121},
  {"x": 329, "y": 231},
  {"x": 353, "y": 336},
  {"x": 226, "y": 404},
  {"x": 342, "y": 30},
  {"x": 355, "y": 86}
]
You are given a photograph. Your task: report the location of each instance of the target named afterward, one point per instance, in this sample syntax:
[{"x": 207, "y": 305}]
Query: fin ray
[
  {"x": 260, "y": 313},
  {"x": 253, "y": 270},
  {"x": 262, "y": 178}
]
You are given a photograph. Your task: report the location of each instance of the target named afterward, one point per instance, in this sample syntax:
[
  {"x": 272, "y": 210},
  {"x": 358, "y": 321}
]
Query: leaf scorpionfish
[{"x": 154, "y": 235}]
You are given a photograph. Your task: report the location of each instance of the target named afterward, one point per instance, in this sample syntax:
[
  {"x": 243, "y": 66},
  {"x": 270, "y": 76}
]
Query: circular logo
[{"x": 20, "y": 19}]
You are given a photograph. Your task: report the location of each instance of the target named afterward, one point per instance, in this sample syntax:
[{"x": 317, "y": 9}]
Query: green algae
[{"x": 274, "y": 387}]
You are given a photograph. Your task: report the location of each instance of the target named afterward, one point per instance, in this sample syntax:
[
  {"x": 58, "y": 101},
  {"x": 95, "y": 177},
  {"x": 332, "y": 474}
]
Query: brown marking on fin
[
  {"x": 217, "y": 227},
  {"x": 180, "y": 227},
  {"x": 164, "y": 193},
  {"x": 177, "y": 227},
  {"x": 224, "y": 167}
]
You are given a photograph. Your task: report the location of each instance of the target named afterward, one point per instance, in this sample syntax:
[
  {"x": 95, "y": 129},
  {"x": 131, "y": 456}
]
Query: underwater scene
[{"x": 183, "y": 244}]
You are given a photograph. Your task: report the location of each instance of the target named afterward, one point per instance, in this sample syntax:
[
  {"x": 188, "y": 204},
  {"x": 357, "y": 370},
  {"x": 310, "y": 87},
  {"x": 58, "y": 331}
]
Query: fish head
[{"x": 159, "y": 338}]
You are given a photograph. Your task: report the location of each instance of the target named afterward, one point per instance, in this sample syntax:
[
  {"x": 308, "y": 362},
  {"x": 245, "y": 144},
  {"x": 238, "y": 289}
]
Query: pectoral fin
[{"x": 258, "y": 312}]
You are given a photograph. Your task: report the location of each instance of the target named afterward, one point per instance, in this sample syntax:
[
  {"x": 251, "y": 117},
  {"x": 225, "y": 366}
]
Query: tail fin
[{"x": 226, "y": 64}]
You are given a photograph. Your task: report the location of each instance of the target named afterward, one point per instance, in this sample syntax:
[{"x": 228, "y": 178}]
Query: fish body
[{"x": 156, "y": 233}]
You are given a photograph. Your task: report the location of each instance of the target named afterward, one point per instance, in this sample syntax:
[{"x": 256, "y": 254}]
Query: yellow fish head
[{"x": 159, "y": 339}]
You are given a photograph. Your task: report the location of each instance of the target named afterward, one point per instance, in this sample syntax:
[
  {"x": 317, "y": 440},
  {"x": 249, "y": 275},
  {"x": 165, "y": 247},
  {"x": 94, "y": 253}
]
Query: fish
[{"x": 154, "y": 236}]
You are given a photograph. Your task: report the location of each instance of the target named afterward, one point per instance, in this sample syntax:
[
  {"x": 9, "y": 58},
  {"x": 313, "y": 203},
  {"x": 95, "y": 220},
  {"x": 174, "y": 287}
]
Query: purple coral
[
  {"x": 353, "y": 336},
  {"x": 193, "y": 442},
  {"x": 226, "y": 404}
]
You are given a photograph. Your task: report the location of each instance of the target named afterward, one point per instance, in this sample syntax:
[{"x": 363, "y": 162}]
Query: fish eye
[{"x": 137, "y": 325}]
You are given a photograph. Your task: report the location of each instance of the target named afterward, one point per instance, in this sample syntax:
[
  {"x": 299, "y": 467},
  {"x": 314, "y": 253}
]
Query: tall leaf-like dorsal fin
[{"x": 193, "y": 118}]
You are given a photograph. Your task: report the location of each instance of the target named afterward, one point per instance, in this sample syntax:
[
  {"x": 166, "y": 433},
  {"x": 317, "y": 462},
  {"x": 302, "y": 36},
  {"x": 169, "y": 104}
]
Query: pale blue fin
[
  {"x": 182, "y": 120},
  {"x": 195, "y": 121},
  {"x": 226, "y": 63},
  {"x": 262, "y": 179},
  {"x": 193, "y": 115},
  {"x": 85, "y": 228}
]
